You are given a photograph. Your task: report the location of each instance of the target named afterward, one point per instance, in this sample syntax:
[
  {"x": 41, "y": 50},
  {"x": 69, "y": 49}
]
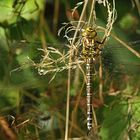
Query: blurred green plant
[{"x": 35, "y": 109}]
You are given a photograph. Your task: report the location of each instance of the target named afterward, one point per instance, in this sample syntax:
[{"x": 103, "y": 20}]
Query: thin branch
[{"x": 69, "y": 71}]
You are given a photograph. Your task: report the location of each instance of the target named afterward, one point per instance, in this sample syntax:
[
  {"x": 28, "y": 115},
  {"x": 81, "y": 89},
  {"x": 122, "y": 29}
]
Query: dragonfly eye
[
  {"x": 90, "y": 29},
  {"x": 93, "y": 34},
  {"x": 89, "y": 33}
]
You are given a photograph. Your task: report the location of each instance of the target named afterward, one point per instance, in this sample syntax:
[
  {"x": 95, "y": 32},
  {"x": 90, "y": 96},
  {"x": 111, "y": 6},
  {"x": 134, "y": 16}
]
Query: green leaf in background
[
  {"x": 129, "y": 22},
  {"x": 3, "y": 43},
  {"x": 32, "y": 9},
  {"x": 10, "y": 10},
  {"x": 6, "y": 10},
  {"x": 9, "y": 97},
  {"x": 114, "y": 123},
  {"x": 134, "y": 127}
]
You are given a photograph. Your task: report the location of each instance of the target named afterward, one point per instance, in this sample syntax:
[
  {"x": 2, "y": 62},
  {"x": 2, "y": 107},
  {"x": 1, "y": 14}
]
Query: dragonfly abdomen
[{"x": 89, "y": 74}]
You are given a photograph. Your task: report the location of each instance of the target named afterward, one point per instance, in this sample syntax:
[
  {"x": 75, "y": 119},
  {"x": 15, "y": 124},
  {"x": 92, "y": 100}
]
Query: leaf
[
  {"x": 32, "y": 9},
  {"x": 6, "y": 10},
  {"x": 11, "y": 10},
  {"x": 129, "y": 22},
  {"x": 114, "y": 123}
]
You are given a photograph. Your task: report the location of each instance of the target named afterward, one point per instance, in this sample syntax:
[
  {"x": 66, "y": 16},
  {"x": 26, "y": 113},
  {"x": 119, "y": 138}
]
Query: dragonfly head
[{"x": 89, "y": 32}]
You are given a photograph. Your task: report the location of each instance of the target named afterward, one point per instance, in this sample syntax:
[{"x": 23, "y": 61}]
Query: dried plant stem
[
  {"x": 79, "y": 131},
  {"x": 101, "y": 81},
  {"x": 92, "y": 13},
  {"x": 42, "y": 33},
  {"x": 69, "y": 70},
  {"x": 7, "y": 132},
  {"x": 95, "y": 120},
  {"x": 138, "y": 5},
  {"x": 37, "y": 133},
  {"x": 56, "y": 16},
  {"x": 76, "y": 80},
  {"x": 74, "y": 112}
]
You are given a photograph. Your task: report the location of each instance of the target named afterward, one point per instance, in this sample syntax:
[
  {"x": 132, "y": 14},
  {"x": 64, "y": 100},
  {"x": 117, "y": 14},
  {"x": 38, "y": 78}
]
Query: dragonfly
[
  {"x": 54, "y": 61},
  {"x": 89, "y": 53}
]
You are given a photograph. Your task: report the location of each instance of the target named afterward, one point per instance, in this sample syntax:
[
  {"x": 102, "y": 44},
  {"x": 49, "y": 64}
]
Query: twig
[{"x": 69, "y": 71}]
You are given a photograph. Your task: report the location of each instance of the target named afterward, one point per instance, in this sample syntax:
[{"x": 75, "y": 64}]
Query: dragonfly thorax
[{"x": 89, "y": 41}]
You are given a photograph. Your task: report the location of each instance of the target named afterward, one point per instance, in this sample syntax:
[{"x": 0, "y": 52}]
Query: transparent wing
[{"x": 120, "y": 58}]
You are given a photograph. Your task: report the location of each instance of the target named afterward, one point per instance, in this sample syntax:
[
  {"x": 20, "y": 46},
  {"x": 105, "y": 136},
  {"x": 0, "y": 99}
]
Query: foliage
[{"x": 33, "y": 106}]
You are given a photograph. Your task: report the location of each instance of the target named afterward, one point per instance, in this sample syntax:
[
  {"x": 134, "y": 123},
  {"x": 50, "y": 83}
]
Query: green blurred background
[{"x": 31, "y": 108}]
